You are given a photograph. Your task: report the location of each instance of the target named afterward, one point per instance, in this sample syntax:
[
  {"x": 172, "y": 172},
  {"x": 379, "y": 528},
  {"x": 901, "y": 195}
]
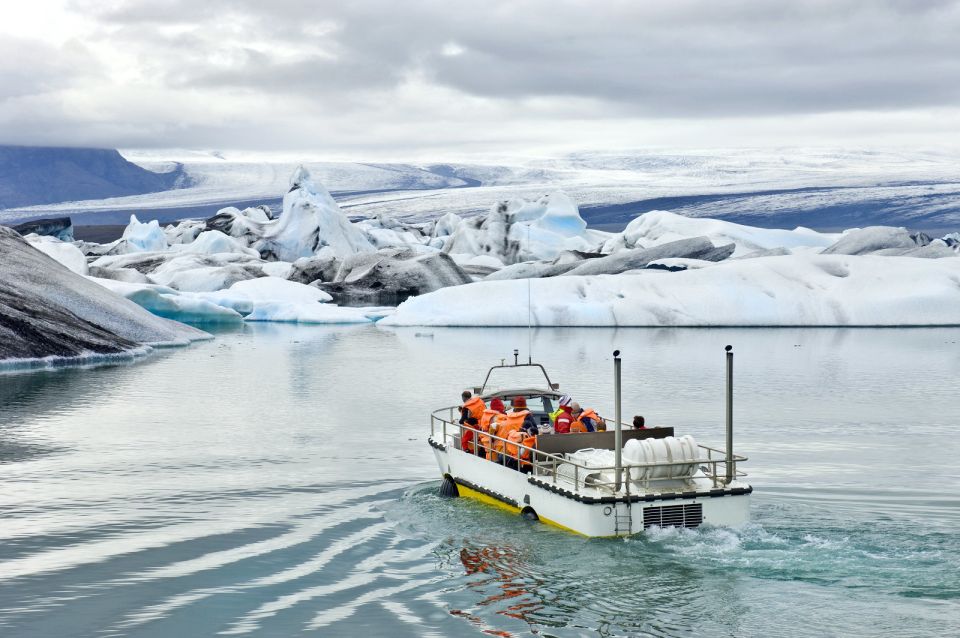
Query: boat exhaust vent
[{"x": 687, "y": 515}]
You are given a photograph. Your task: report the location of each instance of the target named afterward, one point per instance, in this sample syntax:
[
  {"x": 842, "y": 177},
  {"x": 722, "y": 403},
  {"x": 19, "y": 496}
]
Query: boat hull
[{"x": 561, "y": 507}]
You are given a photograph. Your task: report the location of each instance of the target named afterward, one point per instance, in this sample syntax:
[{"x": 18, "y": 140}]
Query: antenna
[{"x": 529, "y": 311}]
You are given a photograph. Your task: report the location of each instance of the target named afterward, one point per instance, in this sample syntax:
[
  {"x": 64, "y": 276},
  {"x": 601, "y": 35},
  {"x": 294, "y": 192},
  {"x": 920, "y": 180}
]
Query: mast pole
[
  {"x": 731, "y": 474},
  {"x": 617, "y": 436}
]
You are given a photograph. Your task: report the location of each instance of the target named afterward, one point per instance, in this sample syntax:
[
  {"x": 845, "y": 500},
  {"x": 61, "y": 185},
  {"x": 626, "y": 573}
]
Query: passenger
[
  {"x": 639, "y": 423},
  {"x": 517, "y": 420},
  {"x": 529, "y": 424},
  {"x": 585, "y": 420},
  {"x": 565, "y": 419},
  {"x": 578, "y": 426},
  {"x": 487, "y": 421},
  {"x": 470, "y": 413}
]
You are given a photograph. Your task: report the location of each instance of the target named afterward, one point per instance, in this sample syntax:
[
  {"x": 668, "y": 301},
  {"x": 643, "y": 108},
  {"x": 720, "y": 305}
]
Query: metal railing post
[
  {"x": 618, "y": 435},
  {"x": 730, "y": 466}
]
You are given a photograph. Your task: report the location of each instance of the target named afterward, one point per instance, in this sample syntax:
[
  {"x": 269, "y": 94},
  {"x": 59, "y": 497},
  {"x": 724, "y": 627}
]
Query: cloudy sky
[{"x": 444, "y": 78}]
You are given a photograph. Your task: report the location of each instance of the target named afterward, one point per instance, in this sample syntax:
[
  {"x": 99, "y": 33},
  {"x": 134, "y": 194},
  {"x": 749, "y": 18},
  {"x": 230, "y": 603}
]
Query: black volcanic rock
[
  {"x": 59, "y": 227},
  {"x": 47, "y": 310},
  {"x": 38, "y": 175},
  {"x": 391, "y": 275}
]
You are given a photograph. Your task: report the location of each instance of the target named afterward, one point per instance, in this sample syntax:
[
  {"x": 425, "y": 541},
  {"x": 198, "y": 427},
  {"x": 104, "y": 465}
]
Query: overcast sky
[{"x": 446, "y": 79}]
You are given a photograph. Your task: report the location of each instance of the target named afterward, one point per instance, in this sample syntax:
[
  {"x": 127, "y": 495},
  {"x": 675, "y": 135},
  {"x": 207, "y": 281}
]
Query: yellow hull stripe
[{"x": 489, "y": 500}]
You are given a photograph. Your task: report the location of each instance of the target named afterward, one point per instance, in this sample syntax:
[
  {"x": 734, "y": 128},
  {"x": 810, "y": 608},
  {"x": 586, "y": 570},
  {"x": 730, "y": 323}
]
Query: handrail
[
  {"x": 546, "y": 376},
  {"x": 539, "y": 459}
]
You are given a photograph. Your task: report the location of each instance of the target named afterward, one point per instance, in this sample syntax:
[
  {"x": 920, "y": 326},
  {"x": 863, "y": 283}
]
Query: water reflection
[{"x": 276, "y": 481}]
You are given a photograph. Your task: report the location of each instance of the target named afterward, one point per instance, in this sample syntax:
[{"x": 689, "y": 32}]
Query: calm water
[{"x": 276, "y": 481}]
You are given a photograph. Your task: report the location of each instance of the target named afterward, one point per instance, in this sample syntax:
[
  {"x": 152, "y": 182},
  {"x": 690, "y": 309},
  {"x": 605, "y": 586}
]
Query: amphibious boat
[{"x": 616, "y": 482}]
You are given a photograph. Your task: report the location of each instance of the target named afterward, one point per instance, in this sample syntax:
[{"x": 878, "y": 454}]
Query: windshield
[{"x": 521, "y": 376}]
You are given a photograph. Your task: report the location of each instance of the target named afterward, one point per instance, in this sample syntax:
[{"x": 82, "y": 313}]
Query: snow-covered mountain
[{"x": 35, "y": 175}]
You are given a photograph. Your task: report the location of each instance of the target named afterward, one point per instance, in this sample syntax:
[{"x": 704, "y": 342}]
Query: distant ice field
[{"x": 825, "y": 189}]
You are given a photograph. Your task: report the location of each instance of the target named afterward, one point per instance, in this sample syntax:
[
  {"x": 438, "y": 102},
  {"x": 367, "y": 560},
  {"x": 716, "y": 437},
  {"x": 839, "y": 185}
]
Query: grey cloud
[
  {"x": 655, "y": 59},
  {"x": 616, "y": 60}
]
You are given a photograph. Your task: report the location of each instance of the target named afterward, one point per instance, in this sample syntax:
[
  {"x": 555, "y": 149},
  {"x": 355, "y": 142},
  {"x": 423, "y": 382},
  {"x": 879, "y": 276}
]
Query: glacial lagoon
[{"x": 276, "y": 481}]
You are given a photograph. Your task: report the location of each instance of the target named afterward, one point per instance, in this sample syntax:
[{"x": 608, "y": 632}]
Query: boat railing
[{"x": 549, "y": 465}]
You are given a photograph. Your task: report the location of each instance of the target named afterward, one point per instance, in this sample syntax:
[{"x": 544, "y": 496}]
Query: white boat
[{"x": 616, "y": 482}]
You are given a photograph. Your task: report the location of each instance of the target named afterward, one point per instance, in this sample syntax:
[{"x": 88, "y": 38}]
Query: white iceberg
[
  {"x": 147, "y": 237},
  {"x": 214, "y": 242},
  {"x": 310, "y": 221},
  {"x": 659, "y": 227},
  {"x": 173, "y": 304},
  {"x": 279, "y": 290},
  {"x": 64, "y": 252},
  {"x": 796, "y": 290},
  {"x": 308, "y": 313},
  {"x": 518, "y": 230},
  {"x": 862, "y": 241}
]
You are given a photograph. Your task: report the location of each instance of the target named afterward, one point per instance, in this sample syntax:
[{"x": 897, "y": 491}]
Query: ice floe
[
  {"x": 659, "y": 227},
  {"x": 792, "y": 290}
]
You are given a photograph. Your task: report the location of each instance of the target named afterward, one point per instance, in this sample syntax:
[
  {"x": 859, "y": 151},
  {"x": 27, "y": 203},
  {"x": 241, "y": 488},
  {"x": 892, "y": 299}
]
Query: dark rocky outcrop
[
  {"x": 624, "y": 260},
  {"x": 322, "y": 268},
  {"x": 59, "y": 227},
  {"x": 47, "y": 310},
  {"x": 391, "y": 275}
]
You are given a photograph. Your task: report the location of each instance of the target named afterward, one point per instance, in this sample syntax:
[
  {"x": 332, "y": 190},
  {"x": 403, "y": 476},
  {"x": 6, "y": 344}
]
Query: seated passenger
[
  {"x": 639, "y": 423},
  {"x": 470, "y": 413},
  {"x": 529, "y": 423},
  {"x": 585, "y": 420},
  {"x": 488, "y": 421},
  {"x": 517, "y": 419},
  {"x": 565, "y": 419}
]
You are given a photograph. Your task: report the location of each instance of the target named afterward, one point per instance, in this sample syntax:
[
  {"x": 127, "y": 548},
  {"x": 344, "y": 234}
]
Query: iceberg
[
  {"x": 308, "y": 313},
  {"x": 630, "y": 259},
  {"x": 796, "y": 290},
  {"x": 862, "y": 241},
  {"x": 173, "y": 304},
  {"x": 214, "y": 242},
  {"x": 310, "y": 221},
  {"x": 64, "y": 252},
  {"x": 147, "y": 237},
  {"x": 518, "y": 230},
  {"x": 391, "y": 275},
  {"x": 275, "y": 289},
  {"x": 659, "y": 227}
]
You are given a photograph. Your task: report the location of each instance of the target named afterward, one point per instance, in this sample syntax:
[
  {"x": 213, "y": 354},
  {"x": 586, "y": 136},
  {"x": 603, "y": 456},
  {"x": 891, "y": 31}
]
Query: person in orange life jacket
[
  {"x": 519, "y": 404},
  {"x": 639, "y": 423},
  {"x": 487, "y": 421},
  {"x": 514, "y": 426},
  {"x": 565, "y": 419},
  {"x": 470, "y": 413},
  {"x": 585, "y": 419}
]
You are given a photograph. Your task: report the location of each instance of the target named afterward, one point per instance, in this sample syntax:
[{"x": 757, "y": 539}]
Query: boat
[{"x": 612, "y": 483}]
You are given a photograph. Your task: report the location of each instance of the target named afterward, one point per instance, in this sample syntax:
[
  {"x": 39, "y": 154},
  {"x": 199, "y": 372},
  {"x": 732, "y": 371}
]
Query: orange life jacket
[
  {"x": 577, "y": 427},
  {"x": 486, "y": 417},
  {"x": 485, "y": 420},
  {"x": 598, "y": 423},
  {"x": 514, "y": 438},
  {"x": 529, "y": 441},
  {"x": 507, "y": 424},
  {"x": 475, "y": 406}
]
